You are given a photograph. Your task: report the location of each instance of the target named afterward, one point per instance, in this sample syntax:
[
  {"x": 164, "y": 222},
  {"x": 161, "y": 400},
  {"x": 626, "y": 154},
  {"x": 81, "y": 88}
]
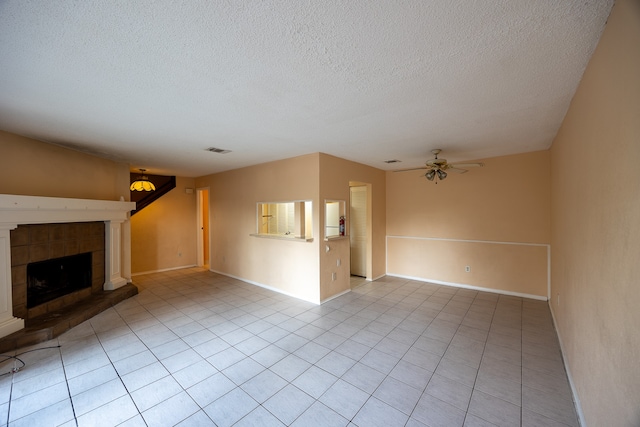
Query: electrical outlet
[
  {"x": 467, "y": 269},
  {"x": 338, "y": 262},
  {"x": 334, "y": 276}
]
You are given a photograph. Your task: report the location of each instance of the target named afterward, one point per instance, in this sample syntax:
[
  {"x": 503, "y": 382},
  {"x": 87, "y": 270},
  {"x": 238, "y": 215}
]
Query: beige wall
[
  {"x": 494, "y": 219},
  {"x": 158, "y": 233},
  {"x": 335, "y": 176},
  {"x": 596, "y": 227},
  {"x": 301, "y": 269},
  {"x": 163, "y": 234},
  {"x": 35, "y": 168},
  {"x": 291, "y": 267}
]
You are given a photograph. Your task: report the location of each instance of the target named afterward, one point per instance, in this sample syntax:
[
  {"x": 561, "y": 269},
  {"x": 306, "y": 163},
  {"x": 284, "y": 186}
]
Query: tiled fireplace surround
[
  {"x": 41, "y": 242},
  {"x": 39, "y": 228}
]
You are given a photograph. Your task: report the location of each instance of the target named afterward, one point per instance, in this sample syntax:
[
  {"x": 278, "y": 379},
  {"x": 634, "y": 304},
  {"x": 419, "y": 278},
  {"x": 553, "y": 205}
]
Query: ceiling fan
[{"x": 436, "y": 168}]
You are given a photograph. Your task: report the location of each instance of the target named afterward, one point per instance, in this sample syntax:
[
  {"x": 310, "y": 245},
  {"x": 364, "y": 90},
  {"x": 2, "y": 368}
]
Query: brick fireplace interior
[{"x": 40, "y": 242}]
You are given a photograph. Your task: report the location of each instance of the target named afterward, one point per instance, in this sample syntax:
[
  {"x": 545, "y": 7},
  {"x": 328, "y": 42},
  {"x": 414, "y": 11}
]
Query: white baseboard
[
  {"x": 163, "y": 270},
  {"x": 335, "y": 296},
  {"x": 475, "y": 288},
  {"x": 574, "y": 392},
  {"x": 262, "y": 285}
]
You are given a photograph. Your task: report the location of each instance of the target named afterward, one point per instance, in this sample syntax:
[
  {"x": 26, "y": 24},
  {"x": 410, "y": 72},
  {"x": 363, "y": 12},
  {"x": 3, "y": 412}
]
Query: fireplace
[
  {"x": 55, "y": 265},
  {"x": 59, "y": 227},
  {"x": 53, "y": 278}
]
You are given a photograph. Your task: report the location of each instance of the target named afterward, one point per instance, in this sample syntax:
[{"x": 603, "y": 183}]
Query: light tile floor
[{"x": 195, "y": 349}]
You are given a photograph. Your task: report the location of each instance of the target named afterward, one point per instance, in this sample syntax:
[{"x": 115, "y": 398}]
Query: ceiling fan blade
[
  {"x": 467, "y": 165},
  {"x": 457, "y": 170},
  {"x": 411, "y": 169}
]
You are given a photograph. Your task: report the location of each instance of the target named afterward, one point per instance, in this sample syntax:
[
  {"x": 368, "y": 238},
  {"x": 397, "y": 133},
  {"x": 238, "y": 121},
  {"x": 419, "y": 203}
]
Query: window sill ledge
[
  {"x": 282, "y": 237},
  {"x": 328, "y": 238}
]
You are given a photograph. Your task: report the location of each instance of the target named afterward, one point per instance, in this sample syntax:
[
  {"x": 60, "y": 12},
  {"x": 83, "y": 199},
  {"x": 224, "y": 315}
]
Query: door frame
[
  {"x": 369, "y": 226},
  {"x": 202, "y": 201}
]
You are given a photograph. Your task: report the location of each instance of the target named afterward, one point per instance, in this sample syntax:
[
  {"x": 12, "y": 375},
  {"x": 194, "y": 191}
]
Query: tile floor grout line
[
  {"x": 216, "y": 335},
  {"x": 484, "y": 345},
  {"x": 371, "y": 395},
  {"x": 160, "y": 361},
  {"x": 466, "y": 412},
  {"x": 66, "y": 380},
  {"x": 11, "y": 372},
  {"x": 10, "y": 400},
  {"x": 434, "y": 371},
  {"x": 388, "y": 375},
  {"x": 318, "y": 400},
  {"x": 116, "y": 370}
]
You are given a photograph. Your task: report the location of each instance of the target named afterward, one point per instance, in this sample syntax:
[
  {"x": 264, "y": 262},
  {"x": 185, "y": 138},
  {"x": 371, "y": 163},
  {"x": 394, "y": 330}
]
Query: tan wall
[
  {"x": 335, "y": 176},
  {"x": 35, "y": 168},
  {"x": 596, "y": 227},
  {"x": 163, "y": 235},
  {"x": 291, "y": 267},
  {"x": 494, "y": 219}
]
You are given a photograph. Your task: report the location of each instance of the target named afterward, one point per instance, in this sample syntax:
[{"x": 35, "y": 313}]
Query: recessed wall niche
[{"x": 334, "y": 219}]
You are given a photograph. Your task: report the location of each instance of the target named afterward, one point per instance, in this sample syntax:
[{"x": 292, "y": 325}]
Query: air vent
[
  {"x": 218, "y": 150},
  {"x": 393, "y": 161}
]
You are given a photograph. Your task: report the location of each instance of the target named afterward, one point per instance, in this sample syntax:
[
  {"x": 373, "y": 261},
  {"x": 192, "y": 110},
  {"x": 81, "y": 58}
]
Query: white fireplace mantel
[{"x": 17, "y": 209}]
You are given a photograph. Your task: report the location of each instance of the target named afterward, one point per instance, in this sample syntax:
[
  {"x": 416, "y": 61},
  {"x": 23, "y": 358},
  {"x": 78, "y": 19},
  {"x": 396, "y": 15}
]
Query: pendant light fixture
[{"x": 142, "y": 183}]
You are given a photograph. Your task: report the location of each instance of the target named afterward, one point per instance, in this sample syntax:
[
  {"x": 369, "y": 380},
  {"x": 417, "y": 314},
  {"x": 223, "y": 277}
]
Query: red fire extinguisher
[{"x": 342, "y": 227}]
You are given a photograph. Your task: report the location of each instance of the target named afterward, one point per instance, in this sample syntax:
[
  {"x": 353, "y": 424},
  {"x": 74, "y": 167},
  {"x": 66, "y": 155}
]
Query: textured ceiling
[{"x": 155, "y": 83}]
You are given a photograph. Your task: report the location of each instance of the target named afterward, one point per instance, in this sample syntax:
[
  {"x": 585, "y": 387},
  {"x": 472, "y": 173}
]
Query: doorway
[
  {"x": 359, "y": 231},
  {"x": 203, "y": 227}
]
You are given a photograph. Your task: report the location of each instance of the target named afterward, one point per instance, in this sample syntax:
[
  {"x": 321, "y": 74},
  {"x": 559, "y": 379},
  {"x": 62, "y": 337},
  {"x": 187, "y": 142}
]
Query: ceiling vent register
[{"x": 218, "y": 150}]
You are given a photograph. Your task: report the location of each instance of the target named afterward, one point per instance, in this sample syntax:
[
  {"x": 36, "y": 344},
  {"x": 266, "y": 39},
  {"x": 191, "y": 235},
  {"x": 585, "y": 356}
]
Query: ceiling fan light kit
[{"x": 437, "y": 167}]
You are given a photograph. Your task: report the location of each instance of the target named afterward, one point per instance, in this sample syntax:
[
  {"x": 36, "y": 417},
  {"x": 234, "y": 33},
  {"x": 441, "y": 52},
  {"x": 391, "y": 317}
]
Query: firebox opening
[{"x": 51, "y": 279}]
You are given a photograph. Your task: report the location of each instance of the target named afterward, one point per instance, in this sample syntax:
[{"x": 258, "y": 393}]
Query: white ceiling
[{"x": 155, "y": 83}]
